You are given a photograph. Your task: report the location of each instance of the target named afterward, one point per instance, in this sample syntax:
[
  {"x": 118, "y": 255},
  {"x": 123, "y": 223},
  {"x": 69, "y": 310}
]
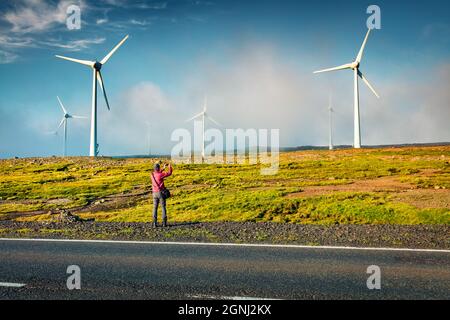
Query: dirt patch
[
  {"x": 383, "y": 184},
  {"x": 112, "y": 202},
  {"x": 20, "y": 201},
  {"x": 115, "y": 202},
  {"x": 425, "y": 198},
  {"x": 59, "y": 201}
]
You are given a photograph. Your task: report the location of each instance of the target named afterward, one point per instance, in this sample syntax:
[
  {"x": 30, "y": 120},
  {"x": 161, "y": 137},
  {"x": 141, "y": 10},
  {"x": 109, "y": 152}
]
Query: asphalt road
[{"x": 37, "y": 270}]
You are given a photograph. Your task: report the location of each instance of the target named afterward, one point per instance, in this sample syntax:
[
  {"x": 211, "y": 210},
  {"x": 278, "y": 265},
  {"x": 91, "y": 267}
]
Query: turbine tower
[
  {"x": 204, "y": 115},
  {"x": 64, "y": 121},
  {"x": 356, "y": 74},
  {"x": 148, "y": 137},
  {"x": 96, "y": 76},
  {"x": 330, "y": 132}
]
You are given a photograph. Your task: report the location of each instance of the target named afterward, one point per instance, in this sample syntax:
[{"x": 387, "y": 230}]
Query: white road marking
[
  {"x": 12, "y": 285},
  {"x": 202, "y": 296},
  {"x": 227, "y": 244}
]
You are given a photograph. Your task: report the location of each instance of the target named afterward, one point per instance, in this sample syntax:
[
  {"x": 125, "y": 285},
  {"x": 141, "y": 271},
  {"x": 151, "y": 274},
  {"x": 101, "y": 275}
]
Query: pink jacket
[{"x": 158, "y": 179}]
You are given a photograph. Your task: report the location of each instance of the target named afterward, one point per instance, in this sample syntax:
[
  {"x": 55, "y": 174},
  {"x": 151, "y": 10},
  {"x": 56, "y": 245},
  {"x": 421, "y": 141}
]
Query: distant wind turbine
[
  {"x": 330, "y": 132},
  {"x": 204, "y": 115},
  {"x": 64, "y": 121},
  {"x": 97, "y": 76},
  {"x": 148, "y": 137},
  {"x": 356, "y": 73}
]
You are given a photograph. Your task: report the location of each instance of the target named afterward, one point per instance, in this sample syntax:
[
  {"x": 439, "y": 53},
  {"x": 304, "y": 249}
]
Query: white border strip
[
  {"x": 12, "y": 285},
  {"x": 218, "y": 244}
]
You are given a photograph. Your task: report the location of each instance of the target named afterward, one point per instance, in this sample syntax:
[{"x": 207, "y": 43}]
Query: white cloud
[
  {"x": 142, "y": 5},
  {"x": 411, "y": 110},
  {"x": 141, "y": 23},
  {"x": 11, "y": 42},
  {"x": 32, "y": 23},
  {"x": 101, "y": 21},
  {"x": 124, "y": 129},
  {"x": 36, "y": 16},
  {"x": 154, "y": 6},
  {"x": 73, "y": 45},
  {"x": 257, "y": 88},
  {"x": 7, "y": 57}
]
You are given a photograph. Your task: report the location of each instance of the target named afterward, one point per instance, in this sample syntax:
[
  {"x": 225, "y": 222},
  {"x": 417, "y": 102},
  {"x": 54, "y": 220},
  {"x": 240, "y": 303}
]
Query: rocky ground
[{"x": 71, "y": 227}]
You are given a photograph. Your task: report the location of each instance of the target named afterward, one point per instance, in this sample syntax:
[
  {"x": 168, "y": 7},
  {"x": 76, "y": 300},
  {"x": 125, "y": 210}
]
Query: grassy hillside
[{"x": 375, "y": 186}]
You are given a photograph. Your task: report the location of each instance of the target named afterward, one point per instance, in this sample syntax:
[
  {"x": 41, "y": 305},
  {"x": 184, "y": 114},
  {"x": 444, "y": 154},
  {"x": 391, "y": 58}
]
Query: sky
[{"x": 254, "y": 60}]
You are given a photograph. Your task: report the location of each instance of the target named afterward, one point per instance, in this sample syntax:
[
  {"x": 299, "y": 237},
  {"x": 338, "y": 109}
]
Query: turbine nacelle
[
  {"x": 354, "y": 65},
  {"x": 204, "y": 115},
  {"x": 97, "y": 66}
]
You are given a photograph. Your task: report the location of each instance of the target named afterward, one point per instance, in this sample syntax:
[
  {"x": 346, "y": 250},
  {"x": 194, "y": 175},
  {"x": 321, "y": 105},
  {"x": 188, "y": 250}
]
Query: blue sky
[{"x": 254, "y": 60}]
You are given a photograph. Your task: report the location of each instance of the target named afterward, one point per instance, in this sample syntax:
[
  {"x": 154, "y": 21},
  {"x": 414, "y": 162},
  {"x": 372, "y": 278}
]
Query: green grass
[{"x": 236, "y": 192}]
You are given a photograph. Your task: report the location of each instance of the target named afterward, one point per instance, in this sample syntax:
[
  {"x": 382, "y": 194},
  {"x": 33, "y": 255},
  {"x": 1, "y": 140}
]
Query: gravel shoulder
[{"x": 396, "y": 236}]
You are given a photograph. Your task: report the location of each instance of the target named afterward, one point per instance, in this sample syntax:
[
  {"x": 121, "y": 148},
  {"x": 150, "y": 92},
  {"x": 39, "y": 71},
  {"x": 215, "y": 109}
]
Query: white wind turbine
[
  {"x": 64, "y": 121},
  {"x": 204, "y": 115},
  {"x": 356, "y": 73},
  {"x": 97, "y": 76},
  {"x": 330, "y": 130},
  {"x": 148, "y": 137}
]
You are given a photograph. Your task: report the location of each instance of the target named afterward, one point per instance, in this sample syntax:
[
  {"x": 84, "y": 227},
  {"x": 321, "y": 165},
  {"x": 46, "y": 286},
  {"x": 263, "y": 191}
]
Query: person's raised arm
[{"x": 169, "y": 172}]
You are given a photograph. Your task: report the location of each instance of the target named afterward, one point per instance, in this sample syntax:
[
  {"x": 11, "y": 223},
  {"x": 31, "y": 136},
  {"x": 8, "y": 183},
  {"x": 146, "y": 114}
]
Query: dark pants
[{"x": 157, "y": 199}]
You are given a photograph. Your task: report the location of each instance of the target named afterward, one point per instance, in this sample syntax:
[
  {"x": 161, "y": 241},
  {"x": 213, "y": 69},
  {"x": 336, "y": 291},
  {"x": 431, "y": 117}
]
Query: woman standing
[{"x": 160, "y": 192}]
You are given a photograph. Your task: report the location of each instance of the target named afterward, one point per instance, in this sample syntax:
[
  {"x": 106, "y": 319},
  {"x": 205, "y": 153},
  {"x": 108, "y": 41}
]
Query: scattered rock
[{"x": 67, "y": 217}]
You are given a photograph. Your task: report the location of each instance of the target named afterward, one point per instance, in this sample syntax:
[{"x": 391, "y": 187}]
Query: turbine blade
[
  {"x": 62, "y": 106},
  {"x": 196, "y": 116},
  {"x": 205, "y": 102},
  {"x": 102, "y": 86},
  {"x": 85, "y": 62},
  {"x": 214, "y": 121},
  {"x": 344, "y": 66},
  {"x": 60, "y": 124},
  {"x": 79, "y": 117},
  {"x": 106, "y": 58},
  {"x": 368, "y": 84},
  {"x": 361, "y": 51}
]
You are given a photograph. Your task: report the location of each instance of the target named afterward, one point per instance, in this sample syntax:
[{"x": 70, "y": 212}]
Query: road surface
[{"x": 119, "y": 270}]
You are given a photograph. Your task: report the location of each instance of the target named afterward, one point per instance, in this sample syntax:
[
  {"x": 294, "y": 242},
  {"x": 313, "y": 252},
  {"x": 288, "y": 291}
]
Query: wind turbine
[
  {"x": 356, "y": 73},
  {"x": 97, "y": 76},
  {"x": 204, "y": 115},
  {"x": 148, "y": 137},
  {"x": 64, "y": 120},
  {"x": 330, "y": 132}
]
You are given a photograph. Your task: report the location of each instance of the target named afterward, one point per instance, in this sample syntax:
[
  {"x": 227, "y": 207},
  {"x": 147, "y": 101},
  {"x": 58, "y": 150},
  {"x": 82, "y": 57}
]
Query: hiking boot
[
  {"x": 154, "y": 224},
  {"x": 164, "y": 224}
]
